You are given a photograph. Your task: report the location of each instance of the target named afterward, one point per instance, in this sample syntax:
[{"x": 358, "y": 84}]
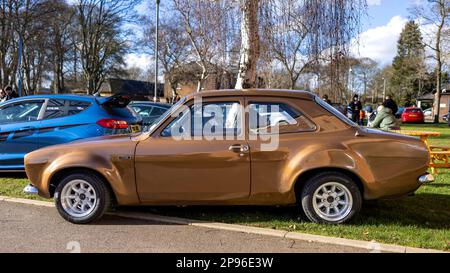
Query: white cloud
[
  {"x": 142, "y": 60},
  {"x": 374, "y": 2},
  {"x": 380, "y": 43}
]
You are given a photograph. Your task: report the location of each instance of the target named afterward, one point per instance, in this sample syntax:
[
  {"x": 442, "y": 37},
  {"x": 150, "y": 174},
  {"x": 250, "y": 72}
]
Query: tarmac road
[{"x": 27, "y": 228}]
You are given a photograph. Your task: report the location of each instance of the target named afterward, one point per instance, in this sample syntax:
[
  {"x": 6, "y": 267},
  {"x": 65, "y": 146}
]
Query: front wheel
[
  {"x": 331, "y": 198},
  {"x": 82, "y": 198}
]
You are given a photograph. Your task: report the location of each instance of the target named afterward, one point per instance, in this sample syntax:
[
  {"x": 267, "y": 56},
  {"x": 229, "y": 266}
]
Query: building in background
[{"x": 139, "y": 90}]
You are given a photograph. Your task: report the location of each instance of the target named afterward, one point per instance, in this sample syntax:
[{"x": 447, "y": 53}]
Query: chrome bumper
[
  {"x": 426, "y": 178},
  {"x": 31, "y": 190}
]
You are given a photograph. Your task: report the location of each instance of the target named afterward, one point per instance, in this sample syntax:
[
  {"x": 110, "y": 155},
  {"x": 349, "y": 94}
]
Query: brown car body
[{"x": 149, "y": 169}]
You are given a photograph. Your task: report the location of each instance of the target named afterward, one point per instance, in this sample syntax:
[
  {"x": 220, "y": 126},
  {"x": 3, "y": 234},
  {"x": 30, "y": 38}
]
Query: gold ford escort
[{"x": 250, "y": 147}]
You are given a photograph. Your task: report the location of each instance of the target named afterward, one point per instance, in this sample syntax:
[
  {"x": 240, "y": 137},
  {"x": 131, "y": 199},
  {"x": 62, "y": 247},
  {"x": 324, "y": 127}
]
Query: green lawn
[{"x": 419, "y": 221}]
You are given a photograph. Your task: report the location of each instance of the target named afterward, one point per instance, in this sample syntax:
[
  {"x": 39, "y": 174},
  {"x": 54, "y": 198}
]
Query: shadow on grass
[
  {"x": 430, "y": 211},
  {"x": 13, "y": 175}
]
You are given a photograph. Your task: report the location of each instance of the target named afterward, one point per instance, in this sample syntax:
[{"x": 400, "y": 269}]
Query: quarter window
[
  {"x": 63, "y": 108},
  {"x": 266, "y": 118}
]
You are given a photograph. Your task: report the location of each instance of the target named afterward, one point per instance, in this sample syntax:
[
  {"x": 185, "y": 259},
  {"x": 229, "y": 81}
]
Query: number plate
[{"x": 135, "y": 128}]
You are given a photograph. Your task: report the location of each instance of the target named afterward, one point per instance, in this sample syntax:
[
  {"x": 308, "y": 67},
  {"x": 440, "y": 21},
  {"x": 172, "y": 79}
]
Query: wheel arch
[
  {"x": 303, "y": 177},
  {"x": 56, "y": 178}
]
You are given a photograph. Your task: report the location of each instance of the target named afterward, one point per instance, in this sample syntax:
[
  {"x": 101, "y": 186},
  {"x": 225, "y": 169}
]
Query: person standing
[
  {"x": 2, "y": 96},
  {"x": 10, "y": 93},
  {"x": 356, "y": 108},
  {"x": 391, "y": 104}
]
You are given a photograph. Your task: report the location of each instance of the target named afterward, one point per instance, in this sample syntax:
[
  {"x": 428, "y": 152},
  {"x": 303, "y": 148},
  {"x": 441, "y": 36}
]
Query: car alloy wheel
[
  {"x": 78, "y": 198},
  {"x": 331, "y": 198},
  {"x": 333, "y": 202},
  {"x": 82, "y": 197}
]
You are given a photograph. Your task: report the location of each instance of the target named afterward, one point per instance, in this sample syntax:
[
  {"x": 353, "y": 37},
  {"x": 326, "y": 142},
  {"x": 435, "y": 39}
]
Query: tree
[
  {"x": 435, "y": 14},
  {"x": 250, "y": 45},
  {"x": 202, "y": 24},
  {"x": 103, "y": 41},
  {"x": 409, "y": 64},
  {"x": 61, "y": 31}
]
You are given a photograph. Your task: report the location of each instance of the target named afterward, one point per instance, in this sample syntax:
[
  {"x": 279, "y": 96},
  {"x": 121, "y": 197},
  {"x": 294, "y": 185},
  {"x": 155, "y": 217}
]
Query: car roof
[
  {"x": 56, "y": 96},
  {"x": 255, "y": 92}
]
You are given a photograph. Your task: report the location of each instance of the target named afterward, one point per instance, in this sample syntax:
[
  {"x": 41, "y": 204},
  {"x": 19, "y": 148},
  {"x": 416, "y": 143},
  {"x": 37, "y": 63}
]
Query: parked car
[
  {"x": 400, "y": 112},
  {"x": 428, "y": 112},
  {"x": 324, "y": 162},
  {"x": 150, "y": 111},
  {"x": 31, "y": 123},
  {"x": 413, "y": 115},
  {"x": 446, "y": 117}
]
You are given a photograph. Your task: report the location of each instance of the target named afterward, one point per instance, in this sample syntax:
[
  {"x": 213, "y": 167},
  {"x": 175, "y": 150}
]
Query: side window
[
  {"x": 20, "y": 112},
  {"x": 211, "y": 119},
  {"x": 266, "y": 117},
  {"x": 55, "y": 109},
  {"x": 63, "y": 108},
  {"x": 76, "y": 107}
]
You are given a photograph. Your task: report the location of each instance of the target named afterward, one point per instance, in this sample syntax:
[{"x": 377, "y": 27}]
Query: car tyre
[
  {"x": 82, "y": 198},
  {"x": 331, "y": 198}
]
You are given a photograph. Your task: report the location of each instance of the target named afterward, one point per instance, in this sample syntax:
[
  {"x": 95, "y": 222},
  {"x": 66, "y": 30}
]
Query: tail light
[{"x": 113, "y": 123}]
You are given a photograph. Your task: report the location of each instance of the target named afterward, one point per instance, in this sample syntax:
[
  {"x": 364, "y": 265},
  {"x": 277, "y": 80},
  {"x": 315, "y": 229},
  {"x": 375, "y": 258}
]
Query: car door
[
  {"x": 203, "y": 165},
  {"x": 18, "y": 131},
  {"x": 278, "y": 130}
]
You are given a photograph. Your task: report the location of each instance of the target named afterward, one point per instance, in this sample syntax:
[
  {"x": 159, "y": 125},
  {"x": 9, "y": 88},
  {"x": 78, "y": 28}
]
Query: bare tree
[
  {"x": 201, "y": 20},
  {"x": 287, "y": 26},
  {"x": 436, "y": 14},
  {"x": 102, "y": 44}
]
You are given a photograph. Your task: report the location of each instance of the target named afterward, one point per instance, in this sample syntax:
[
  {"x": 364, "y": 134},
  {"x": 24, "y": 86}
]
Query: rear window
[
  {"x": 124, "y": 112},
  {"x": 417, "y": 111}
]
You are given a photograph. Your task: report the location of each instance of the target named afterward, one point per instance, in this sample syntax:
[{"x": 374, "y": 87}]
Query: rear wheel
[
  {"x": 82, "y": 198},
  {"x": 331, "y": 198}
]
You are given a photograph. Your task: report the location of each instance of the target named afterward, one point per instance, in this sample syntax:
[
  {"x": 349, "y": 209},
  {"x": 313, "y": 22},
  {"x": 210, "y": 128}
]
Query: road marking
[{"x": 371, "y": 246}]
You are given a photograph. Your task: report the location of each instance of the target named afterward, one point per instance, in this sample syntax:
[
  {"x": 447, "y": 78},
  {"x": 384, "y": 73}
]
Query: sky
[{"x": 381, "y": 30}]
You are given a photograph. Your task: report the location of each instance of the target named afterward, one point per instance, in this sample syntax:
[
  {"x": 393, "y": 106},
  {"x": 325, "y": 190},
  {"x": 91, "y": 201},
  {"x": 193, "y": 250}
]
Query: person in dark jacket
[
  {"x": 356, "y": 108},
  {"x": 391, "y": 104},
  {"x": 10, "y": 93}
]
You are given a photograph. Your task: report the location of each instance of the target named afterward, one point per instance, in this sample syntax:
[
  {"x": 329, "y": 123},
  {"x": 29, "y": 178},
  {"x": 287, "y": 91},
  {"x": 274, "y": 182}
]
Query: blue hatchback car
[{"x": 31, "y": 123}]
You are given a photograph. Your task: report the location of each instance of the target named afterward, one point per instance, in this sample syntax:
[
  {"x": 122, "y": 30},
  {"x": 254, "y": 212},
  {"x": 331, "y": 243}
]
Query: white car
[{"x": 428, "y": 112}]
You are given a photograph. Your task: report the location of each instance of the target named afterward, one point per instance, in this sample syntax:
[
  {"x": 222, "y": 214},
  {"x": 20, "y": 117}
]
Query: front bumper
[
  {"x": 31, "y": 190},
  {"x": 426, "y": 179}
]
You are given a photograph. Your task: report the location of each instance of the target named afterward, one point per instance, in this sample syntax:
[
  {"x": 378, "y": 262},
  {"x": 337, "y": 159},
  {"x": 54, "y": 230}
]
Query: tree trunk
[
  {"x": 201, "y": 81},
  {"x": 250, "y": 45},
  {"x": 437, "y": 97}
]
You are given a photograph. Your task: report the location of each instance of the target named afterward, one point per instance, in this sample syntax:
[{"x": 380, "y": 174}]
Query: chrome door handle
[{"x": 242, "y": 149}]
